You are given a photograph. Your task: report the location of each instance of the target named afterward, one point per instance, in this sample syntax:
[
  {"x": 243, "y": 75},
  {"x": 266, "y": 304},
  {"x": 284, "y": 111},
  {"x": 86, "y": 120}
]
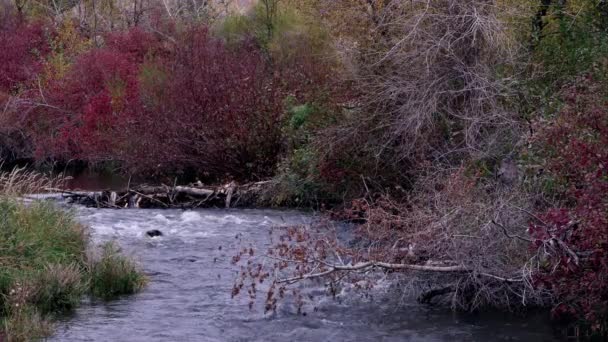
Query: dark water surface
[
  {"x": 95, "y": 181},
  {"x": 188, "y": 298}
]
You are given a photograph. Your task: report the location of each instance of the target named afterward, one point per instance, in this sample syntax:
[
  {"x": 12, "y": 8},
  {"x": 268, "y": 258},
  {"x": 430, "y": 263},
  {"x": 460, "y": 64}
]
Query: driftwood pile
[{"x": 230, "y": 195}]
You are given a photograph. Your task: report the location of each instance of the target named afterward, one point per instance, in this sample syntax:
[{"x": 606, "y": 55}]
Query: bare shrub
[
  {"x": 436, "y": 84},
  {"x": 436, "y": 115},
  {"x": 453, "y": 241}
]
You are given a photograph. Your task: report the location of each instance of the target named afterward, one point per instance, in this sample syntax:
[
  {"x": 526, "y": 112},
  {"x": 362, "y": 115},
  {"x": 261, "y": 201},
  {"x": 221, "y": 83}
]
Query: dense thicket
[{"x": 167, "y": 99}]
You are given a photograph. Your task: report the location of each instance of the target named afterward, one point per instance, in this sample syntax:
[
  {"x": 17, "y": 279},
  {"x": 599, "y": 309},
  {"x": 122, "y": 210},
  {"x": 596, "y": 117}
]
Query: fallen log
[{"x": 183, "y": 196}]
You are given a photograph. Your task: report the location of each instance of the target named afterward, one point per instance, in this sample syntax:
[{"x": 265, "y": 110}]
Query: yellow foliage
[
  {"x": 286, "y": 29},
  {"x": 117, "y": 88},
  {"x": 67, "y": 44}
]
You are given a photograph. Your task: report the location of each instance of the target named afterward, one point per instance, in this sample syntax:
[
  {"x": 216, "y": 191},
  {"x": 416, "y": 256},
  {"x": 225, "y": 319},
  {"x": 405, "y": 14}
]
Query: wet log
[{"x": 163, "y": 196}]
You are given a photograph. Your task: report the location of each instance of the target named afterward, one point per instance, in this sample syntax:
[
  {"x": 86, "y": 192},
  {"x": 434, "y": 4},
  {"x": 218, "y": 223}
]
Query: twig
[
  {"x": 565, "y": 247},
  {"x": 504, "y": 230},
  {"x": 532, "y": 215}
]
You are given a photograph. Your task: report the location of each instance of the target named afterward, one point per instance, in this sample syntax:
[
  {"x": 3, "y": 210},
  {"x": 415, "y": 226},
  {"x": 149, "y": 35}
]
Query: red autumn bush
[
  {"x": 22, "y": 48},
  {"x": 209, "y": 108},
  {"x": 577, "y": 159},
  {"x": 136, "y": 43},
  {"x": 159, "y": 107},
  {"x": 88, "y": 108}
]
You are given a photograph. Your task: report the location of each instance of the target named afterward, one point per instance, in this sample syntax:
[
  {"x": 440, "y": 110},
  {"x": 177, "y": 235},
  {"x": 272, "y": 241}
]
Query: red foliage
[
  {"x": 154, "y": 103},
  {"x": 87, "y": 109},
  {"x": 22, "y": 47},
  {"x": 213, "y": 109},
  {"x": 136, "y": 43},
  {"x": 165, "y": 107},
  {"x": 578, "y": 160}
]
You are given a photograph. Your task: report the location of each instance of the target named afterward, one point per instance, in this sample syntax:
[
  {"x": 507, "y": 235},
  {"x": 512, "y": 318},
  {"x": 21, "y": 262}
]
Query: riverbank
[
  {"x": 47, "y": 266},
  {"x": 189, "y": 239}
]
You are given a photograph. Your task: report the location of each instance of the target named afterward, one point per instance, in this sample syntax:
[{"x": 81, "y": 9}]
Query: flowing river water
[{"x": 191, "y": 277}]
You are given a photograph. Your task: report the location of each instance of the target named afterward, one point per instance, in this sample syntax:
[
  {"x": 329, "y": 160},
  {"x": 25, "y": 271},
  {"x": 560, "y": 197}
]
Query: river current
[{"x": 191, "y": 276}]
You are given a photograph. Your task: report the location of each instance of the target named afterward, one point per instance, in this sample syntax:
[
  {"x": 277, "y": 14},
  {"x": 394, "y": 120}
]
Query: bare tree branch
[
  {"x": 504, "y": 230},
  {"x": 391, "y": 266}
]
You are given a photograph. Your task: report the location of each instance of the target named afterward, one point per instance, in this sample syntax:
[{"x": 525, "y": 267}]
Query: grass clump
[
  {"x": 21, "y": 181},
  {"x": 26, "y": 324},
  {"x": 114, "y": 274},
  {"x": 45, "y": 269},
  {"x": 60, "y": 287}
]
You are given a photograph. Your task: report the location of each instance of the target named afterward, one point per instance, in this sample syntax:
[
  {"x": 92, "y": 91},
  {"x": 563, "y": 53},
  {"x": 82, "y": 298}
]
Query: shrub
[
  {"x": 430, "y": 86},
  {"x": 87, "y": 108},
  {"x": 114, "y": 275},
  {"x": 158, "y": 108},
  {"x": 294, "y": 41},
  {"x": 157, "y": 104},
  {"x": 135, "y": 42},
  {"x": 220, "y": 111},
  {"x": 567, "y": 47},
  {"x": 458, "y": 239},
  {"x": 264, "y": 21},
  {"x": 299, "y": 180},
  {"x": 575, "y": 145},
  {"x": 23, "y": 45},
  {"x": 88, "y": 105},
  {"x": 563, "y": 48},
  {"x": 66, "y": 45}
]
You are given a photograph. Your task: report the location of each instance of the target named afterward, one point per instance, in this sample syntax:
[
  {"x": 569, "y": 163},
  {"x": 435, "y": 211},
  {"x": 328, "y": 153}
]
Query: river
[{"x": 191, "y": 276}]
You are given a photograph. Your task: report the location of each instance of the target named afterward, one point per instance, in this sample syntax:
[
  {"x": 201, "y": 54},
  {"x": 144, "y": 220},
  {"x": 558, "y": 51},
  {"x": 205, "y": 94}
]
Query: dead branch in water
[{"x": 391, "y": 266}]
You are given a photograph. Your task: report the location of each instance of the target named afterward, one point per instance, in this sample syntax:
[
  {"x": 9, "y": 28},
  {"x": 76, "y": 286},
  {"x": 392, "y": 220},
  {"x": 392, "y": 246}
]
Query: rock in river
[{"x": 154, "y": 233}]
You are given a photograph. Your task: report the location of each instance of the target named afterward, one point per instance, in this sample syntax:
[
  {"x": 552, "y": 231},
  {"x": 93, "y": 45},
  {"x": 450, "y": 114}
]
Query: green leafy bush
[{"x": 572, "y": 40}]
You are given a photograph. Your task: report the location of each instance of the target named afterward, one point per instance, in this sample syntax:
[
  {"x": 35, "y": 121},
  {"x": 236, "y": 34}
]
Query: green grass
[
  {"x": 114, "y": 275},
  {"x": 46, "y": 268}
]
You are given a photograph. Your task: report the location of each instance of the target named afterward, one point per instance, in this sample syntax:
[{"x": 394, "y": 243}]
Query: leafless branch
[{"x": 504, "y": 230}]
